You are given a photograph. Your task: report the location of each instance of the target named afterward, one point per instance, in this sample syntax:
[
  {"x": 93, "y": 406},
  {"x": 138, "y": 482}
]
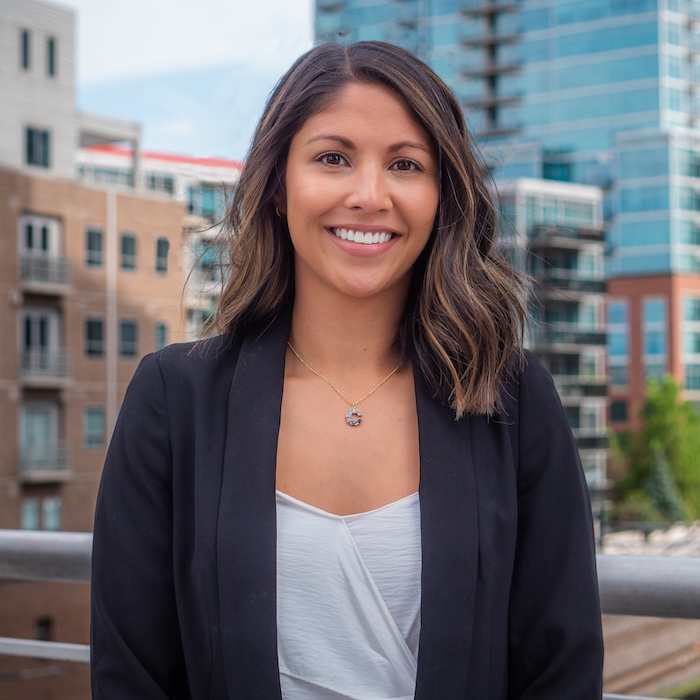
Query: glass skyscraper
[{"x": 602, "y": 93}]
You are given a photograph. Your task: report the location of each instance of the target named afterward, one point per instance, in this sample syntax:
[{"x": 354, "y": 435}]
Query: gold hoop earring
[{"x": 279, "y": 213}]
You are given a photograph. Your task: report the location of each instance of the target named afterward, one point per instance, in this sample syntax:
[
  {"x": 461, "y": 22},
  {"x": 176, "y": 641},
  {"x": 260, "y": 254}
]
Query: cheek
[{"x": 424, "y": 210}]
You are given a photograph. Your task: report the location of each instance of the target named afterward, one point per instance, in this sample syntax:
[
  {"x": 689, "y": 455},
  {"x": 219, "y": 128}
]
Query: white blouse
[{"x": 348, "y": 601}]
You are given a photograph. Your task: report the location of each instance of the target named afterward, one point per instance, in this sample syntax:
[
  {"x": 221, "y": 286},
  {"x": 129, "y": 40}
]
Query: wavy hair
[{"x": 463, "y": 322}]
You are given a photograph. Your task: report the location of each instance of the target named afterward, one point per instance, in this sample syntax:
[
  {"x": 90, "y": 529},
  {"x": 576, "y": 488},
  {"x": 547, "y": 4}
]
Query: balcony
[
  {"x": 566, "y": 335},
  {"x": 560, "y": 279},
  {"x": 496, "y": 131},
  {"x": 45, "y": 367},
  {"x": 471, "y": 8},
  {"x": 564, "y": 236},
  {"x": 580, "y": 385},
  {"x": 646, "y": 586},
  {"x": 44, "y": 274},
  {"x": 488, "y": 101},
  {"x": 488, "y": 39},
  {"x": 587, "y": 441},
  {"x": 47, "y": 462},
  {"x": 489, "y": 68}
]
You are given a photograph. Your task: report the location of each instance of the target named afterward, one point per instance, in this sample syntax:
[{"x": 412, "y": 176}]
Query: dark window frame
[
  {"x": 51, "y": 57},
  {"x": 25, "y": 49},
  {"x": 162, "y": 250},
  {"x": 128, "y": 258},
  {"x": 94, "y": 255},
  {"x": 37, "y": 147},
  {"x": 128, "y": 346},
  {"x": 94, "y": 345}
]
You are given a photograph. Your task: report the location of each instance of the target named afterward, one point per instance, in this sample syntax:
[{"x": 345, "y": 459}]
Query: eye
[
  {"x": 406, "y": 165},
  {"x": 332, "y": 159}
]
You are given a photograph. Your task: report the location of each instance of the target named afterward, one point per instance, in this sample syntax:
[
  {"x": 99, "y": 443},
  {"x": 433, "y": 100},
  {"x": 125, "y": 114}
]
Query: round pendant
[{"x": 354, "y": 411}]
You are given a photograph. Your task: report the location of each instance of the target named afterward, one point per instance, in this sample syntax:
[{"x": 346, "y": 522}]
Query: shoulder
[
  {"x": 201, "y": 357},
  {"x": 530, "y": 385},
  {"x": 177, "y": 373}
]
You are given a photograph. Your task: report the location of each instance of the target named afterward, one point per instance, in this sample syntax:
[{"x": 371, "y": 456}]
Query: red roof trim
[{"x": 119, "y": 150}]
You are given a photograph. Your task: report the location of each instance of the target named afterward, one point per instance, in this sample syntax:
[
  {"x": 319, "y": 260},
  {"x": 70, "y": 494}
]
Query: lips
[{"x": 365, "y": 237}]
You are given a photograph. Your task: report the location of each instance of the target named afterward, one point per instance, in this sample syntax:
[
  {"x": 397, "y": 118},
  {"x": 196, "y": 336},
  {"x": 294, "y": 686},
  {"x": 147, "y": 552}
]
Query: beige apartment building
[
  {"x": 90, "y": 281},
  {"x": 97, "y": 241}
]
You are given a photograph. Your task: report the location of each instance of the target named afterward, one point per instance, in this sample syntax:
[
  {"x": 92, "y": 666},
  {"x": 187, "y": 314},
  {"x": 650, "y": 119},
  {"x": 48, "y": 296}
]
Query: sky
[{"x": 194, "y": 74}]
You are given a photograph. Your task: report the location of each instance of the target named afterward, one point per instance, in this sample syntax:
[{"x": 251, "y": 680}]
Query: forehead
[{"x": 359, "y": 103}]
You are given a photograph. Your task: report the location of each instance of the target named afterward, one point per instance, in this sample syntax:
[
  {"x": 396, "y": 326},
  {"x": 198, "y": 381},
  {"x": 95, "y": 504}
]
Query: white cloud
[{"x": 134, "y": 38}]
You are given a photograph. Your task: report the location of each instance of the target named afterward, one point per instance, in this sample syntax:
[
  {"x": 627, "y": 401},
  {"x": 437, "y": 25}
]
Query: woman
[{"x": 362, "y": 488}]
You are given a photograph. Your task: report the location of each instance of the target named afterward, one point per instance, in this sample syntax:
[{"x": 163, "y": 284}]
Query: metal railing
[
  {"x": 45, "y": 269},
  {"x": 45, "y": 364},
  {"x": 43, "y": 462},
  {"x": 629, "y": 585}
]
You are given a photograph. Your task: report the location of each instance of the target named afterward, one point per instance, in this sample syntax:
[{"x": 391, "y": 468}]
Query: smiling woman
[
  {"x": 361, "y": 196},
  {"x": 363, "y": 487}
]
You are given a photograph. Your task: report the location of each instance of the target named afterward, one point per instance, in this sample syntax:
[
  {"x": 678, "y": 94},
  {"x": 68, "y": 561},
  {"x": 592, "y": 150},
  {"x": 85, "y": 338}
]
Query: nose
[{"x": 369, "y": 189}]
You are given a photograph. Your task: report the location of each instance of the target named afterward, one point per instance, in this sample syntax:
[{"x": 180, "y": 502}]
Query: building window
[
  {"x": 691, "y": 342},
  {"x": 94, "y": 426},
  {"x": 40, "y": 235},
  {"x": 30, "y": 514},
  {"x": 25, "y": 58},
  {"x": 161, "y": 335},
  {"x": 691, "y": 309},
  {"x": 128, "y": 257},
  {"x": 162, "y": 247},
  {"x": 94, "y": 247},
  {"x": 654, "y": 337},
  {"x": 41, "y": 513},
  {"x": 654, "y": 370},
  {"x": 618, "y": 341},
  {"x": 619, "y": 375},
  {"x": 94, "y": 337},
  {"x": 128, "y": 339},
  {"x": 43, "y": 629},
  {"x": 51, "y": 513},
  {"x": 37, "y": 147},
  {"x": 51, "y": 57},
  {"x": 618, "y": 411},
  {"x": 160, "y": 183},
  {"x": 692, "y": 377}
]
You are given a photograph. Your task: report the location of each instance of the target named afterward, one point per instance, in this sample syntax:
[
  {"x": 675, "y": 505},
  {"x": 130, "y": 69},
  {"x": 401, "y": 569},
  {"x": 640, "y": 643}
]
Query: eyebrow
[{"x": 347, "y": 143}]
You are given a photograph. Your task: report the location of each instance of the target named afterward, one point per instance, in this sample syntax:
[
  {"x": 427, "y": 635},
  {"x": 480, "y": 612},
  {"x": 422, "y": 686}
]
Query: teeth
[{"x": 361, "y": 237}]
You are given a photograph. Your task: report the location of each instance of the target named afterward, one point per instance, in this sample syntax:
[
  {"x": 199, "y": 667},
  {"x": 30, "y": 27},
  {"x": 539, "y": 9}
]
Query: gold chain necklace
[{"x": 353, "y": 411}]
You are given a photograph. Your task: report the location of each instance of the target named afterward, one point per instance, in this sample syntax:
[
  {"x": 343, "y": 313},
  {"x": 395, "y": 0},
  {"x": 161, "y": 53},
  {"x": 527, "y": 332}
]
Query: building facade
[
  {"x": 555, "y": 230},
  {"x": 90, "y": 281},
  {"x": 96, "y": 244},
  {"x": 599, "y": 93},
  {"x": 203, "y": 186}
]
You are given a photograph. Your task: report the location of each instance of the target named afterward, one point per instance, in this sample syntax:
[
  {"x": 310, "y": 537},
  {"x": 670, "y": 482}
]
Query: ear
[{"x": 278, "y": 200}]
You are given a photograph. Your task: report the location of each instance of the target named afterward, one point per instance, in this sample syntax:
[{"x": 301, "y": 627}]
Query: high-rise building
[
  {"x": 600, "y": 93},
  {"x": 557, "y": 234}
]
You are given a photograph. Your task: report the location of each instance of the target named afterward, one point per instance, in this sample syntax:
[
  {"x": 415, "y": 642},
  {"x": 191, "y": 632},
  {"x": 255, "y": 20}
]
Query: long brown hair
[{"x": 463, "y": 323}]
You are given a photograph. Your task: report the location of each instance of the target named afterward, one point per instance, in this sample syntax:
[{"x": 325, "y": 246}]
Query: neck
[{"x": 347, "y": 338}]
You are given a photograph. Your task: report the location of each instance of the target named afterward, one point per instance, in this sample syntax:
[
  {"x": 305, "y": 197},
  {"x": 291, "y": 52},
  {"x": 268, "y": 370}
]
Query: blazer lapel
[
  {"x": 246, "y": 536},
  {"x": 449, "y": 530}
]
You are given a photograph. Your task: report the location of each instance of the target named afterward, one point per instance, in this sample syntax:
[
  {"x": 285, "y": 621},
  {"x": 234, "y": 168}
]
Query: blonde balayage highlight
[{"x": 464, "y": 318}]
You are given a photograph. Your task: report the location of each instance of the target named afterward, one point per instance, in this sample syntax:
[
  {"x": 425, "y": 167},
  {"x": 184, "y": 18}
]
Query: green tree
[
  {"x": 662, "y": 490},
  {"x": 667, "y": 441}
]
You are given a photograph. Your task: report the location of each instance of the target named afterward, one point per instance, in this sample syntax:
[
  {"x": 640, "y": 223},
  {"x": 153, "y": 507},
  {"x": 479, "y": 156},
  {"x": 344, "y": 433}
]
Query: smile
[{"x": 367, "y": 238}]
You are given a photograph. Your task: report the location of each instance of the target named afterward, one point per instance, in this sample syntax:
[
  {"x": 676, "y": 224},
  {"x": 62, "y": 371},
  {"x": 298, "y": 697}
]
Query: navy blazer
[{"x": 184, "y": 560}]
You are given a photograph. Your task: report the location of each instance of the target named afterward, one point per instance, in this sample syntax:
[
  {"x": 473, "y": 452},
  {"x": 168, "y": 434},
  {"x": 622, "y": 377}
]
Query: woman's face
[{"x": 361, "y": 194}]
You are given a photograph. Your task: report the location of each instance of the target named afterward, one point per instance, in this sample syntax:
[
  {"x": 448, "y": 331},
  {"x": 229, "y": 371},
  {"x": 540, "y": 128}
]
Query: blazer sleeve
[
  {"x": 135, "y": 637},
  {"x": 556, "y": 646}
]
